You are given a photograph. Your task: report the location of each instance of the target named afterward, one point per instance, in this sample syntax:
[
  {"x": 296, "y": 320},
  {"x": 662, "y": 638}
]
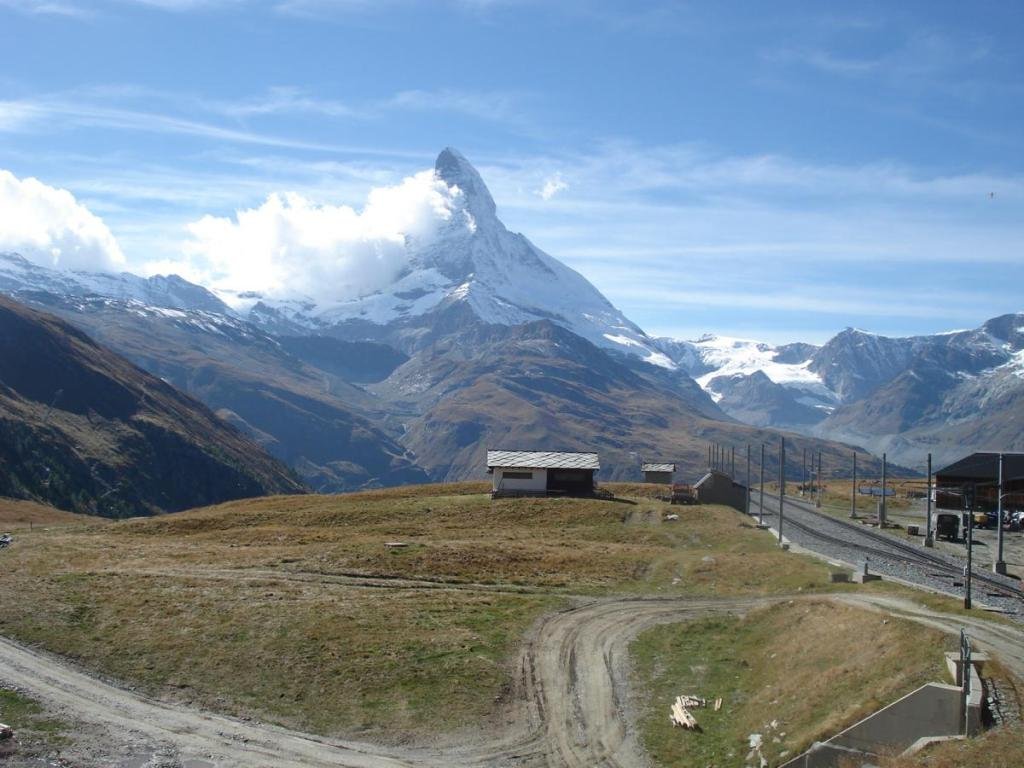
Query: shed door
[{"x": 571, "y": 480}]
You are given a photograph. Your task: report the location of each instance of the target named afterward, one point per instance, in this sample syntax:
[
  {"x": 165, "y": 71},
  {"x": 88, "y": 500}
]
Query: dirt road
[{"x": 568, "y": 706}]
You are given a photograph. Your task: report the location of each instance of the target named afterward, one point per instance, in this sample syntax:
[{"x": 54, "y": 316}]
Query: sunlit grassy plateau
[{"x": 262, "y": 607}]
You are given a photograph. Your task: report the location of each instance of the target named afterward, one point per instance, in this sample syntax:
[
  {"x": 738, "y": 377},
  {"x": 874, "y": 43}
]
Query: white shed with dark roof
[{"x": 517, "y": 473}]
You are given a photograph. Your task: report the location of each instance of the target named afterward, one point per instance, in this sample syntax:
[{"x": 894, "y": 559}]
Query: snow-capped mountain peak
[
  {"x": 453, "y": 168},
  {"x": 500, "y": 275}
]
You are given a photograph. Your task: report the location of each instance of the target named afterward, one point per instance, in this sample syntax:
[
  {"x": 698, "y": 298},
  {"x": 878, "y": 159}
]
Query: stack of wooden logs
[{"x": 681, "y": 715}]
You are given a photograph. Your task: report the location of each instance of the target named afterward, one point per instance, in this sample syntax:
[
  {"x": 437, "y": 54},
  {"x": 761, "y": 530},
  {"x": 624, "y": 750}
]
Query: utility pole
[
  {"x": 853, "y": 491},
  {"x": 747, "y": 505},
  {"x": 969, "y": 503},
  {"x": 929, "y": 541},
  {"x": 782, "y": 484},
  {"x": 881, "y": 504},
  {"x": 999, "y": 566},
  {"x": 760, "y": 514},
  {"x": 818, "y": 503},
  {"x": 803, "y": 479}
]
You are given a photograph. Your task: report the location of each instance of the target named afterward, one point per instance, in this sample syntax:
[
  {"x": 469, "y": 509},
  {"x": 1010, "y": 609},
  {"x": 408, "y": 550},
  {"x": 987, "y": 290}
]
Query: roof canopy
[
  {"x": 657, "y": 467},
  {"x": 985, "y": 466},
  {"x": 651, "y": 467},
  {"x": 542, "y": 460}
]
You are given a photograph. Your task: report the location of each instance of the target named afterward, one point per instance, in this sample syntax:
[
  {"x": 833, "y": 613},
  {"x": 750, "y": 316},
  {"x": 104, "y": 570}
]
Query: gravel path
[
  {"x": 568, "y": 699},
  {"x": 853, "y": 543}
]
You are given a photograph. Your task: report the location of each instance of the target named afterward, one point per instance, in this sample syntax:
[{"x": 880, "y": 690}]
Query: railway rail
[{"x": 886, "y": 555}]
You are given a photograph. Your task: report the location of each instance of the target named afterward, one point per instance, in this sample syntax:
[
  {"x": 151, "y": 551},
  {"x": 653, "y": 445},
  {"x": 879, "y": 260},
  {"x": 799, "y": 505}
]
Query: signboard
[{"x": 874, "y": 490}]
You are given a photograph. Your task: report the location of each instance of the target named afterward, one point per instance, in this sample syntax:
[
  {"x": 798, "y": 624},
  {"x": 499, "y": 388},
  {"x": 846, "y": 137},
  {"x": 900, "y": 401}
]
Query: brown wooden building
[
  {"x": 719, "y": 488},
  {"x": 977, "y": 475}
]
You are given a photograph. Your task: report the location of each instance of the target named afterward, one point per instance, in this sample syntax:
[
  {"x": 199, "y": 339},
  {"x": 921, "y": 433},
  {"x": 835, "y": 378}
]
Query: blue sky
[{"x": 768, "y": 170}]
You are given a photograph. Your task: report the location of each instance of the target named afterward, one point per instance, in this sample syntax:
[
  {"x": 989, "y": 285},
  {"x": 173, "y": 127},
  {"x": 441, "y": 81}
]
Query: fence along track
[{"x": 894, "y": 549}]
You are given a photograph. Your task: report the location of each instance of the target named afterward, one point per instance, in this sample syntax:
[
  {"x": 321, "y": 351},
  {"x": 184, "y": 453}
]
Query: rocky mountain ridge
[
  {"x": 485, "y": 339},
  {"x": 86, "y": 430}
]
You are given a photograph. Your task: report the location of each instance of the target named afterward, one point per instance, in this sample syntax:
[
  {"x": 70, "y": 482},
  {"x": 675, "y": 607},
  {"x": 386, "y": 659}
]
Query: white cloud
[
  {"x": 552, "y": 186},
  {"x": 49, "y": 226},
  {"x": 291, "y": 246}
]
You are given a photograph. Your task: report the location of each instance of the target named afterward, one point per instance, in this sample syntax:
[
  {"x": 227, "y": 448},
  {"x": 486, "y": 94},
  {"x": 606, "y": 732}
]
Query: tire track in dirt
[{"x": 568, "y": 700}]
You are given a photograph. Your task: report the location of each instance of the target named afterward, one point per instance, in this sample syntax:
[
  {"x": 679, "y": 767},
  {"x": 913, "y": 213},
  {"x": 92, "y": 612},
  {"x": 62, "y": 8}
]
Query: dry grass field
[
  {"x": 811, "y": 667},
  {"x": 16, "y": 514},
  {"x": 295, "y": 610},
  {"x": 252, "y": 607}
]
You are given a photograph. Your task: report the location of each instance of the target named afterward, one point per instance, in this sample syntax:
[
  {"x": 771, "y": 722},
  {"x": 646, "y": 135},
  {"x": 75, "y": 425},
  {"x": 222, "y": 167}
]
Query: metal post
[
  {"x": 760, "y": 514},
  {"x": 966, "y": 665},
  {"x": 732, "y": 469},
  {"x": 747, "y": 505},
  {"x": 929, "y": 541},
  {"x": 818, "y": 503},
  {"x": 970, "y": 546},
  {"x": 803, "y": 479},
  {"x": 1000, "y": 565},
  {"x": 709, "y": 457},
  {"x": 881, "y": 505},
  {"x": 853, "y": 492},
  {"x": 782, "y": 484}
]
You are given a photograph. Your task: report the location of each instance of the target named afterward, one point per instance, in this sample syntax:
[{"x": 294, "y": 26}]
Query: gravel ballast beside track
[{"x": 853, "y": 543}]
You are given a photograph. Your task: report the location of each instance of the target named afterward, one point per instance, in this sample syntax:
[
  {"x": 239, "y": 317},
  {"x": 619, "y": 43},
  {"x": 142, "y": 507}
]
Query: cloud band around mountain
[{"x": 291, "y": 246}]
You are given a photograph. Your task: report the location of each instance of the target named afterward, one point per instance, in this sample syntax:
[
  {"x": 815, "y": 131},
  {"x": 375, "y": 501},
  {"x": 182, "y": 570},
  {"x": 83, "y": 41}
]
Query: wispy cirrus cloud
[
  {"x": 48, "y": 8},
  {"x": 284, "y": 99},
  {"x": 114, "y": 106}
]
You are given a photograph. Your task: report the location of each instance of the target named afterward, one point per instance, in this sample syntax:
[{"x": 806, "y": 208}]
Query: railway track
[{"x": 853, "y": 542}]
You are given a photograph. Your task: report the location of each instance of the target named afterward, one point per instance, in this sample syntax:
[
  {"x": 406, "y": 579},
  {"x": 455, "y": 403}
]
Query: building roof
[
  {"x": 542, "y": 460},
  {"x": 657, "y": 467},
  {"x": 984, "y": 465},
  {"x": 713, "y": 473}
]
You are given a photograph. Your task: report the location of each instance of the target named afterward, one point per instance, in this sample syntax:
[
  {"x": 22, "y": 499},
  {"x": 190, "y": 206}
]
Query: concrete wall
[
  {"x": 932, "y": 710},
  {"x": 537, "y": 482}
]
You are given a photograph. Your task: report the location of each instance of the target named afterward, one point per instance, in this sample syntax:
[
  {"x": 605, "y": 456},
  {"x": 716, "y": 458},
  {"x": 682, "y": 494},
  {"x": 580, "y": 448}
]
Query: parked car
[{"x": 947, "y": 526}]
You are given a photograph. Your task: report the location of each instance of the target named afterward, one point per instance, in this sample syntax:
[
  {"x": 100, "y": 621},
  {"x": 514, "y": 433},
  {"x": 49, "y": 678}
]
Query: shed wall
[{"x": 537, "y": 482}]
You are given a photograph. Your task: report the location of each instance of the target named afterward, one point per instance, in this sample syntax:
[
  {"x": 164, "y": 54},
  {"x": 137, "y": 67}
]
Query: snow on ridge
[
  {"x": 711, "y": 356},
  {"x": 649, "y": 354}
]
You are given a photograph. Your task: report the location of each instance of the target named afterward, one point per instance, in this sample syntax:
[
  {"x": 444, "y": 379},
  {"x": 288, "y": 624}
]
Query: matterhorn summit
[{"x": 474, "y": 261}]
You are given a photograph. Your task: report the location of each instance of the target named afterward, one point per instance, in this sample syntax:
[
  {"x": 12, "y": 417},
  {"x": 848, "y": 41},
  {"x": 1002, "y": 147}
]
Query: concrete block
[
  {"x": 978, "y": 661},
  {"x": 863, "y": 577}
]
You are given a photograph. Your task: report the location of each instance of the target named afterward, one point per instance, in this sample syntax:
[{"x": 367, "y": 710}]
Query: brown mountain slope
[
  {"x": 539, "y": 386},
  {"x": 327, "y": 429},
  {"x": 86, "y": 430}
]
